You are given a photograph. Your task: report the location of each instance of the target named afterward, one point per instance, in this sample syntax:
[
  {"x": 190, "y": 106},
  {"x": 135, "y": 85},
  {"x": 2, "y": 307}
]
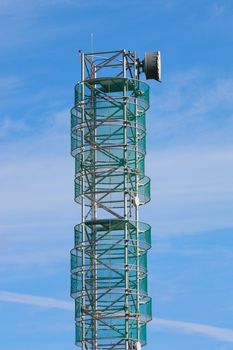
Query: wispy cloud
[
  {"x": 188, "y": 184},
  {"x": 9, "y": 127},
  {"x": 223, "y": 334},
  {"x": 35, "y": 300},
  {"x": 191, "y": 153},
  {"x": 217, "y": 9},
  {"x": 191, "y": 189},
  {"x": 9, "y": 83},
  {"x": 193, "y": 107}
]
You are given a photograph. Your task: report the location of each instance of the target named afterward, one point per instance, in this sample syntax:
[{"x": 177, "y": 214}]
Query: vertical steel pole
[
  {"x": 137, "y": 213},
  {"x": 126, "y": 207},
  {"x": 93, "y": 210},
  {"x": 83, "y": 203}
]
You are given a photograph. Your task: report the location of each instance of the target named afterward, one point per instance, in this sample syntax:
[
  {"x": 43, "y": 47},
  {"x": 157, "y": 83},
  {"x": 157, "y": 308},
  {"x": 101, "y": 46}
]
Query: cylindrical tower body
[{"x": 109, "y": 258}]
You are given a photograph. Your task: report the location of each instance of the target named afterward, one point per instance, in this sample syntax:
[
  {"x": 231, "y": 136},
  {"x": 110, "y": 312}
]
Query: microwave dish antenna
[{"x": 151, "y": 65}]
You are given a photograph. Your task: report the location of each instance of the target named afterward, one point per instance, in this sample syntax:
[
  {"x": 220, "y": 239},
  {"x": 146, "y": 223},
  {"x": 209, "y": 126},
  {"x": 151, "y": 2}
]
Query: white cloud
[
  {"x": 8, "y": 84},
  {"x": 217, "y": 9},
  {"x": 20, "y": 23},
  {"x": 35, "y": 300},
  {"x": 36, "y": 171},
  {"x": 192, "y": 107},
  {"x": 223, "y": 334},
  {"x": 9, "y": 126},
  {"x": 192, "y": 189},
  {"x": 191, "y": 186},
  {"x": 193, "y": 174},
  {"x": 190, "y": 154}
]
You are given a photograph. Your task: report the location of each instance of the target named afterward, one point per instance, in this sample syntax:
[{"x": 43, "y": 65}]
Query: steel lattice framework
[{"x": 109, "y": 259}]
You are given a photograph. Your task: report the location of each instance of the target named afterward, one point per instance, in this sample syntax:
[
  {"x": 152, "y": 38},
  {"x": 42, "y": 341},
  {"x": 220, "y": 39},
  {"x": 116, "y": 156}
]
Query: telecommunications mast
[{"x": 109, "y": 258}]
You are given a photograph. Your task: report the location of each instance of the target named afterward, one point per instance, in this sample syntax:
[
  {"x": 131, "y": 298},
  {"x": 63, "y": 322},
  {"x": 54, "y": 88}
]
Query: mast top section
[{"x": 122, "y": 63}]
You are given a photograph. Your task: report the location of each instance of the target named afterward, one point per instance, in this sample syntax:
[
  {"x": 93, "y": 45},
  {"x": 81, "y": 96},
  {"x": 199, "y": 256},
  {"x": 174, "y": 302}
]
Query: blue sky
[{"x": 190, "y": 161}]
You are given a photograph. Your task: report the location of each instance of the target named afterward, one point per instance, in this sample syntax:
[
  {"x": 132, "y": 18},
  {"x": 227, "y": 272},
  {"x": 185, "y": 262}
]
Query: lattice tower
[{"x": 109, "y": 258}]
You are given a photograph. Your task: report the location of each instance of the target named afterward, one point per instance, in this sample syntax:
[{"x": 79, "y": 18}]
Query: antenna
[
  {"x": 92, "y": 42},
  {"x": 151, "y": 65}
]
